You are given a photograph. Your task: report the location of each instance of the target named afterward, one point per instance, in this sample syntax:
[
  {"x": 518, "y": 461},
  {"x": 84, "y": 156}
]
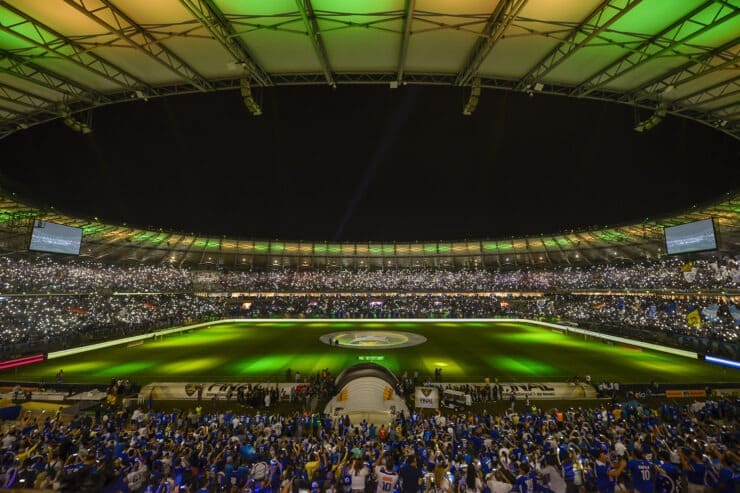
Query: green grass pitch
[{"x": 466, "y": 351}]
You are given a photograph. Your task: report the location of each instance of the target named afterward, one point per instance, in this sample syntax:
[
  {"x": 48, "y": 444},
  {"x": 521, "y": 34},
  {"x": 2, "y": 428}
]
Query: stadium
[{"x": 575, "y": 328}]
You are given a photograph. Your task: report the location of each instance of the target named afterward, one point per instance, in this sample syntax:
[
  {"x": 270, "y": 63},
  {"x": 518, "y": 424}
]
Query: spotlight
[
  {"x": 249, "y": 102},
  {"x": 654, "y": 119},
  {"x": 473, "y": 99},
  {"x": 70, "y": 121}
]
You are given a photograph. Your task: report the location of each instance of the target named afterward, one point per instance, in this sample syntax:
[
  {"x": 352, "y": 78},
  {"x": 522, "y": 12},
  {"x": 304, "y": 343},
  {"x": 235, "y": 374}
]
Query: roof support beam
[
  {"x": 714, "y": 111},
  {"x": 26, "y": 70},
  {"x": 723, "y": 57},
  {"x": 596, "y": 23},
  {"x": 408, "y": 17},
  {"x": 25, "y": 99},
  {"x": 497, "y": 23},
  {"x": 312, "y": 27},
  {"x": 657, "y": 45},
  {"x": 140, "y": 39},
  {"x": 57, "y": 45},
  {"x": 708, "y": 94},
  {"x": 222, "y": 31}
]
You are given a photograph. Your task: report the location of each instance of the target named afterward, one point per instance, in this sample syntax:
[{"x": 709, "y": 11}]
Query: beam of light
[
  {"x": 393, "y": 128},
  {"x": 722, "y": 361},
  {"x": 14, "y": 363}
]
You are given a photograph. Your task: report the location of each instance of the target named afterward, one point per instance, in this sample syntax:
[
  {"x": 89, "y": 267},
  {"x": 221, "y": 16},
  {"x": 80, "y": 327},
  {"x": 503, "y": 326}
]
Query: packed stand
[
  {"x": 34, "y": 321},
  {"x": 45, "y": 275},
  {"x": 628, "y": 446},
  {"x": 40, "y": 322}
]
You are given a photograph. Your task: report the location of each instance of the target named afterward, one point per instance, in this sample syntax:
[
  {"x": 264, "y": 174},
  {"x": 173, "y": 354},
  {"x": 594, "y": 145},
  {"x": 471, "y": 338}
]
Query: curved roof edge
[
  {"x": 60, "y": 58},
  {"x": 121, "y": 243},
  {"x": 731, "y": 128}
]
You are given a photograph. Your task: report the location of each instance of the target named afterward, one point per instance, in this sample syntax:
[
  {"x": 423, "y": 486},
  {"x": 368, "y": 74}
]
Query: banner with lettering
[{"x": 427, "y": 397}]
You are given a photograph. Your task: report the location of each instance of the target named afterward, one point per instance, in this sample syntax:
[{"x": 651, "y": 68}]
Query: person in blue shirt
[
  {"x": 523, "y": 482},
  {"x": 726, "y": 482},
  {"x": 606, "y": 474},
  {"x": 668, "y": 479},
  {"x": 695, "y": 470},
  {"x": 641, "y": 472}
]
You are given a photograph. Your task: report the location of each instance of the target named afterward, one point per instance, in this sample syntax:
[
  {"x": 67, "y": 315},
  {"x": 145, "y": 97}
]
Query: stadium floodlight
[
  {"x": 654, "y": 120},
  {"x": 473, "y": 99},
  {"x": 249, "y": 102},
  {"x": 70, "y": 121}
]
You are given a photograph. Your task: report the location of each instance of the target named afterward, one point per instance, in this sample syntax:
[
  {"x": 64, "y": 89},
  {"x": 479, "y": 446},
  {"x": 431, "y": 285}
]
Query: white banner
[
  {"x": 533, "y": 390},
  {"x": 208, "y": 390},
  {"x": 547, "y": 390},
  {"x": 426, "y": 397}
]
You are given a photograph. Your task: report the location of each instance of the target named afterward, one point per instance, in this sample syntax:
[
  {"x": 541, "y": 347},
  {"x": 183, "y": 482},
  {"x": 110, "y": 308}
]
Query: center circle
[{"x": 372, "y": 339}]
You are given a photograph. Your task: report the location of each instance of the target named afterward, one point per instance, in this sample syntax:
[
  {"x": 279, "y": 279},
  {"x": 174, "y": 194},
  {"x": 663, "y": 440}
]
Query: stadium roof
[
  {"x": 123, "y": 243},
  {"x": 59, "y": 58}
]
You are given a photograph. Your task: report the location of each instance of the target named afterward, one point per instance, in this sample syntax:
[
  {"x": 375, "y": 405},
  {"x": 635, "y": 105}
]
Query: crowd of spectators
[
  {"x": 68, "y": 319},
  {"x": 51, "y": 275},
  {"x": 658, "y": 314},
  {"x": 60, "y": 302},
  {"x": 712, "y": 273},
  {"x": 60, "y": 321},
  {"x": 623, "y": 446},
  {"x": 42, "y": 275}
]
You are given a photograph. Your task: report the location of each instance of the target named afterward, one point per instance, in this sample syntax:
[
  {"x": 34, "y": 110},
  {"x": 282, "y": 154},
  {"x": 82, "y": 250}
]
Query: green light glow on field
[
  {"x": 82, "y": 367},
  {"x": 467, "y": 351},
  {"x": 266, "y": 364},
  {"x": 191, "y": 366},
  {"x": 131, "y": 368},
  {"x": 524, "y": 366},
  {"x": 452, "y": 369}
]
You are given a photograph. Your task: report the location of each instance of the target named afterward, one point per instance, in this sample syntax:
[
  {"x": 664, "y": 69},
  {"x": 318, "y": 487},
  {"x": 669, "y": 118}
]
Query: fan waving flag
[
  {"x": 710, "y": 312},
  {"x": 735, "y": 312},
  {"x": 694, "y": 319}
]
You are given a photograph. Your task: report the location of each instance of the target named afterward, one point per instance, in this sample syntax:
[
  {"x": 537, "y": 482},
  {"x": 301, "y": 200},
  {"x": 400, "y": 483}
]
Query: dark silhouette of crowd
[{"x": 627, "y": 445}]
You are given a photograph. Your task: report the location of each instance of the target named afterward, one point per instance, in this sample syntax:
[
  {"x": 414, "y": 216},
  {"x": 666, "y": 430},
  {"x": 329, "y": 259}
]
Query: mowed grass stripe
[{"x": 466, "y": 351}]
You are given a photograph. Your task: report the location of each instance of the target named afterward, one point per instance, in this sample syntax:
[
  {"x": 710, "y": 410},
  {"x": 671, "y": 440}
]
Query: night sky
[{"x": 370, "y": 163}]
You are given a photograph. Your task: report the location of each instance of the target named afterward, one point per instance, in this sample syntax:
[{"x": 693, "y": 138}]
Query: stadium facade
[{"x": 123, "y": 243}]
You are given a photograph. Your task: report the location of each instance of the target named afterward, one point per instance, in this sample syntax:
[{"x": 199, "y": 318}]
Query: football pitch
[{"x": 466, "y": 351}]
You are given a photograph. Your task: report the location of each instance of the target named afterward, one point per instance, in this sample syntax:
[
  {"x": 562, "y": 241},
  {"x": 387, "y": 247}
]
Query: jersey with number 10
[
  {"x": 642, "y": 475},
  {"x": 386, "y": 480}
]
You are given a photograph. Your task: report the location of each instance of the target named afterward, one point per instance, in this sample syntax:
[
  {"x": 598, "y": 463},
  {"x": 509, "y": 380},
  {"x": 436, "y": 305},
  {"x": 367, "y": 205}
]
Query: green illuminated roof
[{"x": 66, "y": 56}]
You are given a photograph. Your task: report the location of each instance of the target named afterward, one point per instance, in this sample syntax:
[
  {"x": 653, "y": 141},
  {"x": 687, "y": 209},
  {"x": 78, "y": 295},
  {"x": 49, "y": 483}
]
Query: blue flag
[
  {"x": 735, "y": 312},
  {"x": 670, "y": 308},
  {"x": 710, "y": 312},
  {"x": 652, "y": 311}
]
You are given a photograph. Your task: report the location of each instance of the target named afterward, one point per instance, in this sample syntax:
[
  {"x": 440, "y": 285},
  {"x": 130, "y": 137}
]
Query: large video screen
[
  {"x": 690, "y": 237},
  {"x": 55, "y": 238}
]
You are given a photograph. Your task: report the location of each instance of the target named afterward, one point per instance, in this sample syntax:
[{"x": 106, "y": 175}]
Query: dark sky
[{"x": 370, "y": 163}]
